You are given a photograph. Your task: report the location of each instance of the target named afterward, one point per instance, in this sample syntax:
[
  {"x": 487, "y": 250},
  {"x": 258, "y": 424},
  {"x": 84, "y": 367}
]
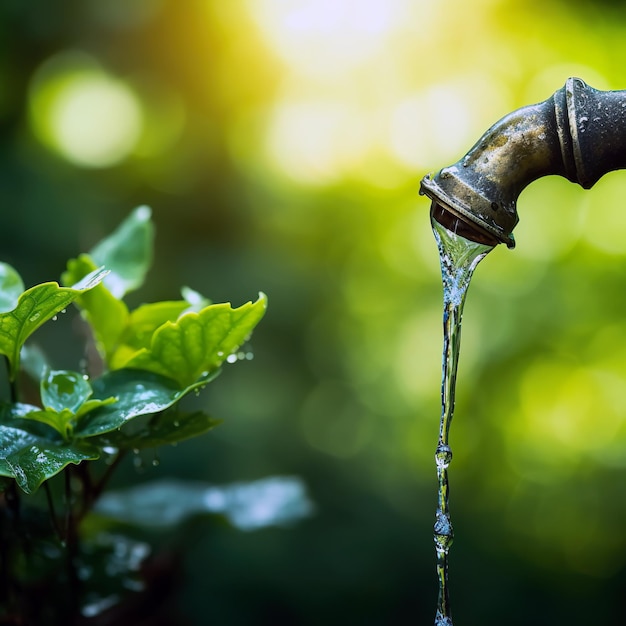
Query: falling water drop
[
  {"x": 441, "y": 620},
  {"x": 459, "y": 257},
  {"x": 443, "y": 456}
]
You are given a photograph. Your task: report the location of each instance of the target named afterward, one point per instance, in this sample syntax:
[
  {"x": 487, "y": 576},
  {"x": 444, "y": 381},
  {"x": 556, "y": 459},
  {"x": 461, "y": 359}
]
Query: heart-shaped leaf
[
  {"x": 137, "y": 393},
  {"x": 34, "y": 307},
  {"x": 198, "y": 343}
]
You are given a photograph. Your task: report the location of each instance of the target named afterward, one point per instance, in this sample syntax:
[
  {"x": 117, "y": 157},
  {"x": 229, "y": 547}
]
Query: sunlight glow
[
  {"x": 325, "y": 38},
  {"x": 316, "y": 142},
  {"x": 557, "y": 425},
  {"x": 89, "y": 117},
  {"x": 431, "y": 126}
]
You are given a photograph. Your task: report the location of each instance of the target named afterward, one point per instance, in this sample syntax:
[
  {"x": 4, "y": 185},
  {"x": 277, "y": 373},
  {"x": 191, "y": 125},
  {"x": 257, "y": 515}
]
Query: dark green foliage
[{"x": 150, "y": 358}]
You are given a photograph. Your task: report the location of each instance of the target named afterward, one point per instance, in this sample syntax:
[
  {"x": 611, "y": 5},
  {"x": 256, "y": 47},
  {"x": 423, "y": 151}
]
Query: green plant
[{"x": 62, "y": 433}]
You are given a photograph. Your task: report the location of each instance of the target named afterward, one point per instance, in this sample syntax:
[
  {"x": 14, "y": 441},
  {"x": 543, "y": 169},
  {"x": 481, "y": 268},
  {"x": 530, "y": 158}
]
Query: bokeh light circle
[{"x": 83, "y": 113}]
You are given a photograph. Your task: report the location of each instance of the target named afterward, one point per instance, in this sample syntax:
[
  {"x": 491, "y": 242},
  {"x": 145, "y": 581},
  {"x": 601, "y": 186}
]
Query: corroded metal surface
[{"x": 578, "y": 133}]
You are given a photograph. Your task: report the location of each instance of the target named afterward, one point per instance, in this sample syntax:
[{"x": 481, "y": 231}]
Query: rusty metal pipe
[{"x": 578, "y": 133}]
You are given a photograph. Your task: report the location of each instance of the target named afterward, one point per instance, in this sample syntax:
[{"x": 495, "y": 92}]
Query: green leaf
[
  {"x": 31, "y": 460},
  {"x": 141, "y": 324},
  {"x": 64, "y": 389},
  {"x": 65, "y": 397},
  {"x": 165, "y": 428},
  {"x": 198, "y": 343},
  {"x": 32, "y": 454},
  {"x": 106, "y": 315},
  {"x": 196, "y": 300},
  {"x": 272, "y": 501},
  {"x": 11, "y": 287},
  {"x": 127, "y": 252},
  {"x": 33, "y": 361},
  {"x": 137, "y": 393},
  {"x": 61, "y": 421},
  {"x": 34, "y": 307},
  {"x": 93, "y": 404}
]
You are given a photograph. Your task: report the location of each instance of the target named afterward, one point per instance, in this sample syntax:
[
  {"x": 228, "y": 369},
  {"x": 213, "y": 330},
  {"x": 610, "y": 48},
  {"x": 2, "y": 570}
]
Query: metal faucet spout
[{"x": 578, "y": 133}]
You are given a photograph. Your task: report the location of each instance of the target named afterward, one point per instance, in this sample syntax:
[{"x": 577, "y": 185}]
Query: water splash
[{"x": 459, "y": 257}]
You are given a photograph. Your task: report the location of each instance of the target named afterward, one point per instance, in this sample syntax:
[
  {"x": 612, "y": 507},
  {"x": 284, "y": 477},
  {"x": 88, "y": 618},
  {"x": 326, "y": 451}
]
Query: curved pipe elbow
[{"x": 579, "y": 133}]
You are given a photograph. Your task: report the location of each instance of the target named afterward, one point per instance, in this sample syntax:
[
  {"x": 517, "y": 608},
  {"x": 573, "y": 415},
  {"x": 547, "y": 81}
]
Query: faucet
[{"x": 578, "y": 133}]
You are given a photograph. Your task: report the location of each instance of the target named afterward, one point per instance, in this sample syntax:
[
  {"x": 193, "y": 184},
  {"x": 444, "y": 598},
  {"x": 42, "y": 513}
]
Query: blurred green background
[{"x": 280, "y": 144}]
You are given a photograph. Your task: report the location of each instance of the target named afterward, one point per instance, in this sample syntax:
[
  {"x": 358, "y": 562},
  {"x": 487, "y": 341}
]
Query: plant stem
[
  {"x": 71, "y": 544},
  {"x": 53, "y": 516},
  {"x": 13, "y": 388},
  {"x": 94, "y": 490}
]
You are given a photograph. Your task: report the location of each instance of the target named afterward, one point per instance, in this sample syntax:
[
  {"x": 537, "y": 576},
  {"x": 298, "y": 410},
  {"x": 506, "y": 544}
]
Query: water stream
[{"x": 459, "y": 257}]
